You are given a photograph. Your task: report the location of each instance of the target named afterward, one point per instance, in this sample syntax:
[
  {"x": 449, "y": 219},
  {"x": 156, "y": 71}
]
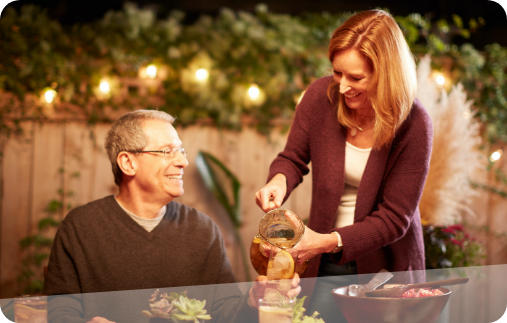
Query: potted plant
[{"x": 450, "y": 247}]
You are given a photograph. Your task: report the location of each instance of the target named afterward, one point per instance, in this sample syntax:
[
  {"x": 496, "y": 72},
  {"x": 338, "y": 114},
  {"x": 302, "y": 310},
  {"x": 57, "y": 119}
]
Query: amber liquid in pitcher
[{"x": 260, "y": 260}]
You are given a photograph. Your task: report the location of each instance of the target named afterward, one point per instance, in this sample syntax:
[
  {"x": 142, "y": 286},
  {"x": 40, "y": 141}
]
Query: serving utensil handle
[{"x": 438, "y": 283}]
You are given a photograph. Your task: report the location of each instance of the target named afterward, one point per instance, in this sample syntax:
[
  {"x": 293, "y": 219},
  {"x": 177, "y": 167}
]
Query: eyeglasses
[{"x": 167, "y": 152}]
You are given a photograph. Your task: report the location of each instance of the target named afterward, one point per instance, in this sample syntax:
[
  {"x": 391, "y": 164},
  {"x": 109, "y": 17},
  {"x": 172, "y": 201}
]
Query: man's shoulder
[
  {"x": 92, "y": 210},
  {"x": 186, "y": 216},
  {"x": 187, "y": 213}
]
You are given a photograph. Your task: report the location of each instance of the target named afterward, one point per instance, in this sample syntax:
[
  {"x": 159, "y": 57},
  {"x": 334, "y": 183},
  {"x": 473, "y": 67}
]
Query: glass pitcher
[{"x": 279, "y": 228}]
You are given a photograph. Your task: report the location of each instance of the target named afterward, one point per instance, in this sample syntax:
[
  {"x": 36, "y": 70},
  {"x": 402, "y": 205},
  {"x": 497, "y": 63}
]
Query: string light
[
  {"x": 201, "y": 74},
  {"x": 151, "y": 70},
  {"x": 440, "y": 79},
  {"x": 49, "y": 95},
  {"x": 104, "y": 87},
  {"x": 496, "y": 155},
  {"x": 253, "y": 92}
]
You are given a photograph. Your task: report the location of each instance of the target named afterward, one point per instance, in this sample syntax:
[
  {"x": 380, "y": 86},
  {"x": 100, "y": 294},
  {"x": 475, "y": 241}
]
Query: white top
[
  {"x": 355, "y": 163},
  {"x": 148, "y": 224}
]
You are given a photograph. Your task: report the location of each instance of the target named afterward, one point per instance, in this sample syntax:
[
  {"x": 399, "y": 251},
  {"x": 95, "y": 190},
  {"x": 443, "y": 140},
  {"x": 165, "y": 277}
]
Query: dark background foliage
[{"x": 68, "y": 12}]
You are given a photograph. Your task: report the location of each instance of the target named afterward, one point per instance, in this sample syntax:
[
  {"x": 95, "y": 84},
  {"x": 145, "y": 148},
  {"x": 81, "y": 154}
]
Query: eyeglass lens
[{"x": 171, "y": 153}]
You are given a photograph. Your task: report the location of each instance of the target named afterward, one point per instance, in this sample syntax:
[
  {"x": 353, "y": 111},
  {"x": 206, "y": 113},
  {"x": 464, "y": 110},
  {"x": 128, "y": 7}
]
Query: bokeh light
[
  {"x": 151, "y": 70},
  {"x": 496, "y": 155},
  {"x": 104, "y": 87},
  {"x": 49, "y": 95},
  {"x": 201, "y": 74},
  {"x": 253, "y": 92},
  {"x": 440, "y": 80}
]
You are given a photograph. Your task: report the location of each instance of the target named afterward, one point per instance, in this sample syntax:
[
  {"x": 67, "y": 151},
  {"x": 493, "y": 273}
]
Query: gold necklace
[{"x": 353, "y": 131}]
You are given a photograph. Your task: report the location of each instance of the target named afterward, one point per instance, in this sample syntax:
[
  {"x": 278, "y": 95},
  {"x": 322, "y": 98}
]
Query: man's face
[{"x": 161, "y": 178}]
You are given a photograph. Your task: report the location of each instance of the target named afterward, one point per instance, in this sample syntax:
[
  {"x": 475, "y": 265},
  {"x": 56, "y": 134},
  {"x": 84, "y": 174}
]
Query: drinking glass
[
  {"x": 280, "y": 271},
  {"x": 31, "y": 309},
  {"x": 276, "y": 311}
]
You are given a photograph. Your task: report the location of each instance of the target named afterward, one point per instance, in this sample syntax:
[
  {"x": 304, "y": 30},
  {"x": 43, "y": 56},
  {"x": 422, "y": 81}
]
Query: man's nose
[{"x": 181, "y": 159}]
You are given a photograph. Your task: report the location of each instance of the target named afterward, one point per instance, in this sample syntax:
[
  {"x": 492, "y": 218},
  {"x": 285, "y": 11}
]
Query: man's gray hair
[{"x": 126, "y": 134}]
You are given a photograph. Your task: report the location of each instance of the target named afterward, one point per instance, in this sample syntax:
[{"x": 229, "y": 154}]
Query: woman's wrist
[
  {"x": 330, "y": 242},
  {"x": 280, "y": 177}
]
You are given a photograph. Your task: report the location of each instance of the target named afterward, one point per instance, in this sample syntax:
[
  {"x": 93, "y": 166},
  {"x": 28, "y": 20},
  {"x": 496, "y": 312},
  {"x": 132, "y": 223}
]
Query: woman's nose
[{"x": 344, "y": 86}]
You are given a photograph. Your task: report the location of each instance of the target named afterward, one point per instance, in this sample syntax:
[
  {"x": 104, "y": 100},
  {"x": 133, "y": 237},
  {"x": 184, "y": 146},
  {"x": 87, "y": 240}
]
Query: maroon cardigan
[{"x": 387, "y": 229}]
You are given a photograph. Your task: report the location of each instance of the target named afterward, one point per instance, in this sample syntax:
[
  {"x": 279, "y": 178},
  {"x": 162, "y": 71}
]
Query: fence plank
[
  {"x": 103, "y": 178},
  {"x": 48, "y": 168},
  {"x": 78, "y": 166},
  {"x": 15, "y": 209}
]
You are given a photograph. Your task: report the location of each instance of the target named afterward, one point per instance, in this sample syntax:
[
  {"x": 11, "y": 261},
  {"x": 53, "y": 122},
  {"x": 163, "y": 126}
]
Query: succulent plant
[
  {"x": 189, "y": 310},
  {"x": 176, "y": 307}
]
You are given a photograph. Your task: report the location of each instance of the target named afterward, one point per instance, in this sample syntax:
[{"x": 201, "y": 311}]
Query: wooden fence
[{"x": 67, "y": 159}]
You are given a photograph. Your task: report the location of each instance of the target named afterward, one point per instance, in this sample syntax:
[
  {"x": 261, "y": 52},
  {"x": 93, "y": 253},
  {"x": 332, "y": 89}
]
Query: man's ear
[{"x": 127, "y": 163}]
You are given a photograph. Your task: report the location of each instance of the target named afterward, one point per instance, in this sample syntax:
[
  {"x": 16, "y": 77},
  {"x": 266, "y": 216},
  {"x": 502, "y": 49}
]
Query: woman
[{"x": 369, "y": 141}]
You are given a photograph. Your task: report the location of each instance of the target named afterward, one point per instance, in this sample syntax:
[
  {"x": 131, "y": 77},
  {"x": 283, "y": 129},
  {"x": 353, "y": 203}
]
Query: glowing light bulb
[
  {"x": 201, "y": 74},
  {"x": 49, "y": 95},
  {"x": 253, "y": 92},
  {"x": 151, "y": 70},
  {"x": 496, "y": 155},
  {"x": 104, "y": 87},
  {"x": 440, "y": 80}
]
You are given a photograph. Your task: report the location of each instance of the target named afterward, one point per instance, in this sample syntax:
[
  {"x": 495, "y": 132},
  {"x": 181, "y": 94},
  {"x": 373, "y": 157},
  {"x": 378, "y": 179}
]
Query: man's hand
[
  {"x": 98, "y": 319},
  {"x": 260, "y": 285}
]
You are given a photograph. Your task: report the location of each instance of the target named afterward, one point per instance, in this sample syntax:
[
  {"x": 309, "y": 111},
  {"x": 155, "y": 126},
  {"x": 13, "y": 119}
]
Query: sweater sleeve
[
  {"x": 62, "y": 284},
  {"x": 293, "y": 160},
  {"x": 230, "y": 304},
  {"x": 400, "y": 196}
]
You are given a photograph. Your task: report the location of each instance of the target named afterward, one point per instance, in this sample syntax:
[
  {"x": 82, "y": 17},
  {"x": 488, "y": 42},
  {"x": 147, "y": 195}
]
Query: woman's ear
[{"x": 127, "y": 163}]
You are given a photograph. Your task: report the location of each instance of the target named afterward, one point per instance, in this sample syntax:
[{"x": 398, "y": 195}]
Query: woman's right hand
[{"x": 271, "y": 195}]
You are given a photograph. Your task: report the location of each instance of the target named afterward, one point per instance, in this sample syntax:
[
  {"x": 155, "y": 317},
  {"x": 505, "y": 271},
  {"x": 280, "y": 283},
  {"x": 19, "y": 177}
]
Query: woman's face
[{"x": 353, "y": 73}]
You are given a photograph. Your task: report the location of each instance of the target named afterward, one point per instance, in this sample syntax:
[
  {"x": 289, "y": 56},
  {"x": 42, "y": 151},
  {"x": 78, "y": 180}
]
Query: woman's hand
[
  {"x": 313, "y": 244},
  {"x": 272, "y": 194}
]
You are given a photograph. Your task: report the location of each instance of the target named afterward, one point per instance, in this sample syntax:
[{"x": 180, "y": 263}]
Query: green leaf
[
  {"x": 48, "y": 222},
  {"x": 54, "y": 206},
  {"x": 222, "y": 183},
  {"x": 457, "y": 21}
]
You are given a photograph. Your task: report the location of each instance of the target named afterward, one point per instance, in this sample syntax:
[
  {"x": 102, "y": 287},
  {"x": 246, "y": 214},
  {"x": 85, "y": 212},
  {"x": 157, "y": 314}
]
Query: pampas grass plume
[{"x": 455, "y": 155}]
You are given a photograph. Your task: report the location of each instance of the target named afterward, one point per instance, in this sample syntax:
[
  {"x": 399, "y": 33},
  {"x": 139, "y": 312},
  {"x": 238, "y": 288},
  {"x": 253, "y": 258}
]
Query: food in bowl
[{"x": 421, "y": 292}]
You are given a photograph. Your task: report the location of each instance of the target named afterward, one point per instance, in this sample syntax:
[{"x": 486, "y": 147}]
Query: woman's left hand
[{"x": 313, "y": 244}]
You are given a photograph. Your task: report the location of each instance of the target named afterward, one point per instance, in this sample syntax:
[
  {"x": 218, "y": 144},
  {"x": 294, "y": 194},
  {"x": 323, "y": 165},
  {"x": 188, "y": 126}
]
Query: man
[{"x": 141, "y": 238}]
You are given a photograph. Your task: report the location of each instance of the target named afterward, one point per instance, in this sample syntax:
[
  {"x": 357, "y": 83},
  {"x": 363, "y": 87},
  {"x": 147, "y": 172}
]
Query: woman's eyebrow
[{"x": 356, "y": 75}]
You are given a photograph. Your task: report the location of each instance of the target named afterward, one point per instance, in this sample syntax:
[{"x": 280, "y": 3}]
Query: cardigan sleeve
[
  {"x": 293, "y": 160},
  {"x": 399, "y": 195}
]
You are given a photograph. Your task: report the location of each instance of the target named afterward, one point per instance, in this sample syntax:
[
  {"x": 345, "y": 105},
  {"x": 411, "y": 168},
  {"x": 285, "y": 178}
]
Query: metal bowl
[{"x": 390, "y": 310}]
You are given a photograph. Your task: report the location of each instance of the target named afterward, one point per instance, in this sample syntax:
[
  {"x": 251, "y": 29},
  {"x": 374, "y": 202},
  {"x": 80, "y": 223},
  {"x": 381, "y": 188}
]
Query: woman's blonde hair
[{"x": 377, "y": 37}]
